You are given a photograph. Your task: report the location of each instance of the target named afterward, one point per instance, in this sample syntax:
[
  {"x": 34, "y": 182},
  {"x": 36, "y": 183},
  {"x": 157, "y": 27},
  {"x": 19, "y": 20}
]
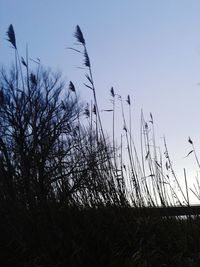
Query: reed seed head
[{"x": 11, "y": 36}]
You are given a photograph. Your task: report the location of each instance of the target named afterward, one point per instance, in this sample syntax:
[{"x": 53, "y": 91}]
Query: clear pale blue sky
[{"x": 149, "y": 49}]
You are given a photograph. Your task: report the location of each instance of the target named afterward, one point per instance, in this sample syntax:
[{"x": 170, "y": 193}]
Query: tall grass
[{"x": 148, "y": 178}]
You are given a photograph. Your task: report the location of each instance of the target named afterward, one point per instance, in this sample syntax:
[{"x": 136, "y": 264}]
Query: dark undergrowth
[{"x": 104, "y": 236}]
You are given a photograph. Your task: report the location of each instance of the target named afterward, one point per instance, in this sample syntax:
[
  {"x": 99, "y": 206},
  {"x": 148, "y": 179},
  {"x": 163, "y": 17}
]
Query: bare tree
[{"x": 37, "y": 121}]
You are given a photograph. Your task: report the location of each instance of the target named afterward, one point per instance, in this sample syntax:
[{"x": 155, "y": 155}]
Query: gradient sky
[{"x": 149, "y": 49}]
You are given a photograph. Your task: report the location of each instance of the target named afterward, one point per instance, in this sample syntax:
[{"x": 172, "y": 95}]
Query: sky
[{"x": 149, "y": 49}]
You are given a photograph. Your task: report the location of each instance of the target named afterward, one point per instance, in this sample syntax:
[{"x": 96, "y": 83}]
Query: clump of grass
[{"x": 146, "y": 181}]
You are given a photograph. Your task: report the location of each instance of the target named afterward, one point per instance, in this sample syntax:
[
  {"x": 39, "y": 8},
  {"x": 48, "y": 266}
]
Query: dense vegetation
[{"x": 66, "y": 192}]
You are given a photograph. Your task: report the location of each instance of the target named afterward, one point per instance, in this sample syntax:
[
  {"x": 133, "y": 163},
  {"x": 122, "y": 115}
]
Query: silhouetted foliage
[
  {"x": 67, "y": 198},
  {"x": 34, "y": 136}
]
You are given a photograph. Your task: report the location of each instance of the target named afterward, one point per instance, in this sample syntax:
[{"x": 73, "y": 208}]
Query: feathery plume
[
  {"x": 94, "y": 110},
  {"x": 79, "y": 35},
  {"x": 190, "y": 141},
  {"x": 112, "y": 92},
  {"x": 11, "y": 36},
  {"x": 128, "y": 100},
  {"x": 33, "y": 79},
  {"x": 72, "y": 87}
]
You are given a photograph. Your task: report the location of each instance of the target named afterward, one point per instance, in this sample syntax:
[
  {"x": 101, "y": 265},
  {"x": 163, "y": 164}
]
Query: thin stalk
[
  {"x": 173, "y": 173},
  {"x": 186, "y": 186}
]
